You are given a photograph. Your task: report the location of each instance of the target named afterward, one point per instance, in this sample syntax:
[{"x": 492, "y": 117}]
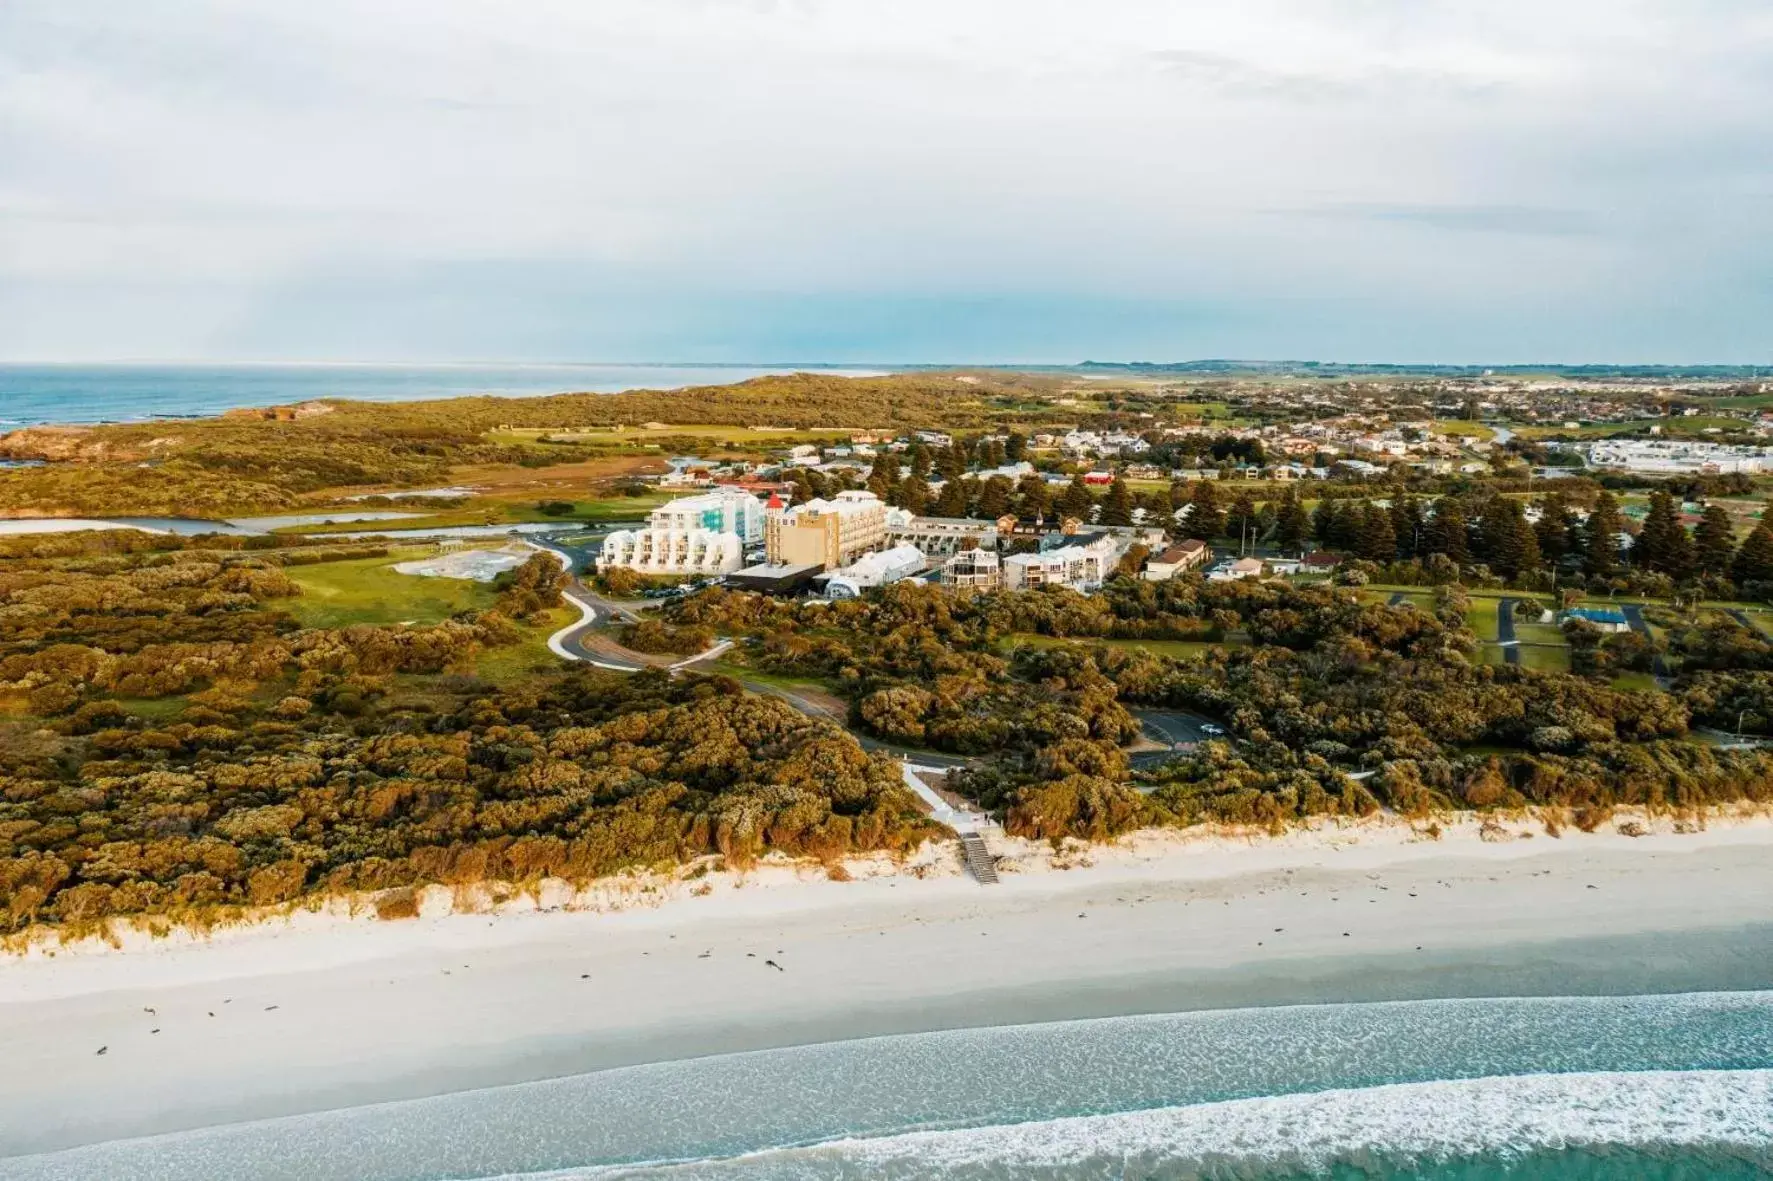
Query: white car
[{"x": 1212, "y": 728}]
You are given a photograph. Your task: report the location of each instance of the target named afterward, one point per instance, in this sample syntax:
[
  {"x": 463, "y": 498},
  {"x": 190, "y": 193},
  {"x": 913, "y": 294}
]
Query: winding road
[{"x": 578, "y": 641}]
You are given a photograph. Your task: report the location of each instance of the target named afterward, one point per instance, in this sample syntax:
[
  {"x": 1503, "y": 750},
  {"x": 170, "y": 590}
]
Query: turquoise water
[
  {"x": 130, "y": 393},
  {"x": 1606, "y": 1087}
]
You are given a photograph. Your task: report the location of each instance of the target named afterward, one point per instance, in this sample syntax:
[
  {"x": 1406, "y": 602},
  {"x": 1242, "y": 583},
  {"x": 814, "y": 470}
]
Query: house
[
  {"x": 1098, "y": 478},
  {"x": 1229, "y": 571},
  {"x": 1319, "y": 562},
  {"x": 874, "y": 569},
  {"x": 1608, "y": 619},
  {"x": 1178, "y": 559}
]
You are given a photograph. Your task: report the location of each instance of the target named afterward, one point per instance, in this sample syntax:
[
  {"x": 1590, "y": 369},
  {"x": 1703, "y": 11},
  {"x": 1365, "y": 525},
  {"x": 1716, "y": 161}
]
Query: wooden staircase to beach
[{"x": 978, "y": 858}]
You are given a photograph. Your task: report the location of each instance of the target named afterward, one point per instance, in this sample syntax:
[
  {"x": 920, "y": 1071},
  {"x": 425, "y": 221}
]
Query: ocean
[
  {"x": 33, "y": 394},
  {"x": 1652, "y": 1088}
]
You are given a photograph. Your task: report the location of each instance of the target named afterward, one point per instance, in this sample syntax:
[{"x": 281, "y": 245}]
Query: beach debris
[
  {"x": 147, "y": 1010},
  {"x": 705, "y": 955},
  {"x": 775, "y": 965},
  {"x": 153, "y": 1031},
  {"x": 103, "y": 1050},
  {"x": 268, "y": 1008}
]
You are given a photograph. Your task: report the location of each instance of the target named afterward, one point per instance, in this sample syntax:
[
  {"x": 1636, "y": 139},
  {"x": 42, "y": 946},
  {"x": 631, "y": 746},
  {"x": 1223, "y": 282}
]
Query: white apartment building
[
  {"x": 694, "y": 535},
  {"x": 1083, "y": 565},
  {"x": 725, "y": 510},
  {"x": 973, "y": 569}
]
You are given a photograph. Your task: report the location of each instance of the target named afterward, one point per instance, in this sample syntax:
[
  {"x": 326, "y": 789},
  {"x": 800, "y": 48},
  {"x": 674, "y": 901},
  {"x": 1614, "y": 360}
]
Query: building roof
[
  {"x": 1597, "y": 614},
  {"x": 1179, "y": 553}
]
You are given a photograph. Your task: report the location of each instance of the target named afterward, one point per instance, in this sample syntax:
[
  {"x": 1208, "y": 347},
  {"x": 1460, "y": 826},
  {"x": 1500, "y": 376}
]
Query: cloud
[{"x": 243, "y": 176}]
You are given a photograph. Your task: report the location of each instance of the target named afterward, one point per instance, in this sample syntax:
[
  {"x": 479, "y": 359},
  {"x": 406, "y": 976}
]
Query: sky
[{"x": 887, "y": 180}]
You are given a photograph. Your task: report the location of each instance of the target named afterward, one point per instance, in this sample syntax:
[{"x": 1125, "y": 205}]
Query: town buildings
[
  {"x": 1178, "y": 559},
  {"x": 973, "y": 569},
  {"x": 874, "y": 569},
  {"x": 826, "y": 533},
  {"x": 693, "y": 535},
  {"x": 1084, "y": 562}
]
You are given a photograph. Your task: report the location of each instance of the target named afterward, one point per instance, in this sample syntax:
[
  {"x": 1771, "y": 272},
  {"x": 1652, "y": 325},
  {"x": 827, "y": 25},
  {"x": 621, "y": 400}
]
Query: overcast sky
[{"x": 887, "y": 180}]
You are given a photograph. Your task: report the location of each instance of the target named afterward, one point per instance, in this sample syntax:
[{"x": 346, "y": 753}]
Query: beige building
[
  {"x": 1179, "y": 558},
  {"x": 829, "y": 533}
]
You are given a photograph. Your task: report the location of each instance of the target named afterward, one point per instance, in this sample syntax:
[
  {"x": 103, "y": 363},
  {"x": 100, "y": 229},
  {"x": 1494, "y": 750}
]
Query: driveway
[{"x": 1511, "y": 651}]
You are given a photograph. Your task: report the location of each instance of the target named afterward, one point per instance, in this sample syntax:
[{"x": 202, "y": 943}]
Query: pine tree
[
  {"x": 1241, "y": 517},
  {"x": 1292, "y": 525},
  {"x": 914, "y": 494},
  {"x": 1033, "y": 501},
  {"x": 994, "y": 498},
  {"x": 1207, "y": 521},
  {"x": 919, "y": 455},
  {"x": 1754, "y": 559},
  {"x": 953, "y": 500},
  {"x": 1506, "y": 542},
  {"x": 1406, "y": 524},
  {"x": 1117, "y": 506},
  {"x": 1323, "y": 521},
  {"x": 1375, "y": 540},
  {"x": 952, "y": 462},
  {"x": 1015, "y": 448},
  {"x": 1553, "y": 528},
  {"x": 1076, "y": 500},
  {"x": 1714, "y": 543},
  {"x": 1600, "y": 549},
  {"x": 1663, "y": 544},
  {"x": 1446, "y": 532}
]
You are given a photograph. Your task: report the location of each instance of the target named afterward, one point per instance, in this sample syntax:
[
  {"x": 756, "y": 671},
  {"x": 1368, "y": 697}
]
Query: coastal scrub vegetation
[{"x": 291, "y": 763}]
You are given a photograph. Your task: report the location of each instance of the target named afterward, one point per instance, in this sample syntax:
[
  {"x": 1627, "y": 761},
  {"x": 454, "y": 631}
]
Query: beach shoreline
[{"x": 327, "y": 1010}]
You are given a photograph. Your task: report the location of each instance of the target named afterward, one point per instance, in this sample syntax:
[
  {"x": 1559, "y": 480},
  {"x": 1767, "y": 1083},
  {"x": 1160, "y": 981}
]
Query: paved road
[
  {"x": 1634, "y": 615},
  {"x": 1511, "y": 651}
]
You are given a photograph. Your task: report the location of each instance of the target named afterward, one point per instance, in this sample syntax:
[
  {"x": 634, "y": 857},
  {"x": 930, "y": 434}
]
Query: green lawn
[
  {"x": 1480, "y": 617},
  {"x": 370, "y": 590},
  {"x": 1640, "y": 682},
  {"x": 1464, "y": 428},
  {"x": 1546, "y": 659}
]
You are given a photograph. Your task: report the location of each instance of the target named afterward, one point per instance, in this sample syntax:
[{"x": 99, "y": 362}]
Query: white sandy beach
[{"x": 328, "y": 1010}]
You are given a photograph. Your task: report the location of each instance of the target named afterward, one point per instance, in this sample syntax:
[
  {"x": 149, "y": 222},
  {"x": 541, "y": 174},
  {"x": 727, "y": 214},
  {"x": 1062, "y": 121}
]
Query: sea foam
[{"x": 1725, "y": 1115}]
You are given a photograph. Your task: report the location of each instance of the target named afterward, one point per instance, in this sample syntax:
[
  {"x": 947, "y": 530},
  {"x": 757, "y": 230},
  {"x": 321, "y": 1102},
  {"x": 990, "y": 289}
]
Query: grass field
[
  {"x": 1637, "y": 682},
  {"x": 370, "y": 590}
]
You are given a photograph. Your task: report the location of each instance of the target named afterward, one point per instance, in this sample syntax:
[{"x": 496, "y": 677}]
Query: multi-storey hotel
[
  {"x": 696, "y": 535},
  {"x": 829, "y": 533}
]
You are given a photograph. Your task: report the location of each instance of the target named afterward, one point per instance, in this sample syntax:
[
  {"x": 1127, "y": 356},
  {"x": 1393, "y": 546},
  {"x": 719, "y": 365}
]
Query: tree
[
  {"x": 1291, "y": 525},
  {"x": 952, "y": 462},
  {"x": 1323, "y": 521},
  {"x": 994, "y": 498},
  {"x": 1207, "y": 521},
  {"x": 1241, "y": 518},
  {"x": 1505, "y": 541},
  {"x": 1015, "y": 448},
  {"x": 1446, "y": 532},
  {"x": 1663, "y": 544},
  {"x": 919, "y": 455},
  {"x": 952, "y": 502},
  {"x": 1553, "y": 528},
  {"x": 914, "y": 494},
  {"x": 1754, "y": 560},
  {"x": 1600, "y": 547},
  {"x": 1032, "y": 498},
  {"x": 1117, "y": 506},
  {"x": 1714, "y": 543},
  {"x": 1374, "y": 539},
  {"x": 1076, "y": 500},
  {"x": 1406, "y": 524}
]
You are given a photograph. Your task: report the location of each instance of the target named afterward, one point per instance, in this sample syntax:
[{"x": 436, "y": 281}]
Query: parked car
[{"x": 1212, "y": 728}]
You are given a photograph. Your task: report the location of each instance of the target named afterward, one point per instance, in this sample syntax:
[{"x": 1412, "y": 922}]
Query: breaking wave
[{"x": 1718, "y": 1123}]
